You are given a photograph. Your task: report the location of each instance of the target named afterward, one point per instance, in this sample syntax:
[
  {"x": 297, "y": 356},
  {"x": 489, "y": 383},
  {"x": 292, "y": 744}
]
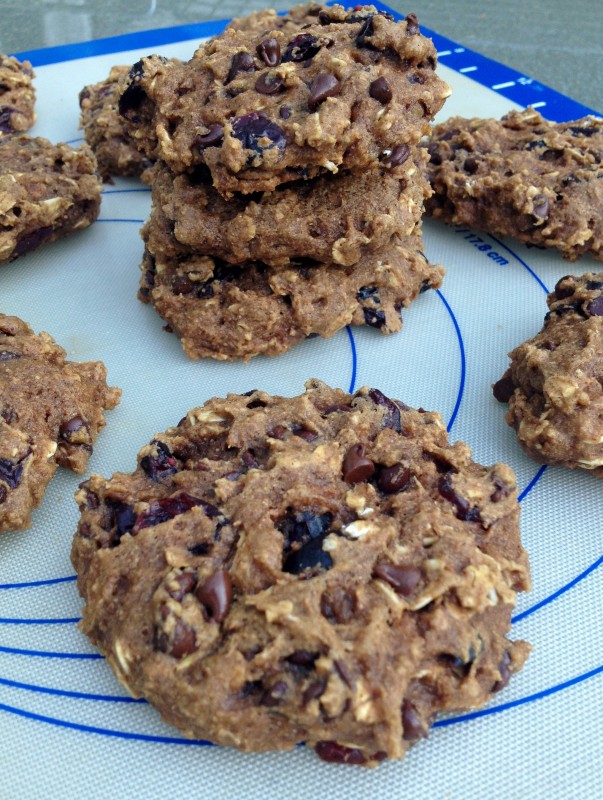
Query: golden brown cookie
[
  {"x": 325, "y": 569},
  {"x": 17, "y": 95}
]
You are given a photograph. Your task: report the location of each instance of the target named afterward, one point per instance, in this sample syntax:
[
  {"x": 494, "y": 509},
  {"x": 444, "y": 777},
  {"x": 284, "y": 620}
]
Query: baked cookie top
[
  {"x": 326, "y": 569},
  {"x": 51, "y": 411},
  {"x": 332, "y": 219},
  {"x": 540, "y": 182},
  {"x": 350, "y": 90},
  {"x": 105, "y": 129},
  {"x": 554, "y": 382},
  {"x": 46, "y": 191},
  {"x": 17, "y": 95},
  {"x": 228, "y": 311}
]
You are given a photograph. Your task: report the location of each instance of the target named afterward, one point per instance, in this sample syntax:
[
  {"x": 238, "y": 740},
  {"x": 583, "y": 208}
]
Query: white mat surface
[{"x": 66, "y": 728}]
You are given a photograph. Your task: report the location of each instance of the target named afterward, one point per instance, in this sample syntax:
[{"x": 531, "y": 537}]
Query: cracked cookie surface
[
  {"x": 522, "y": 176},
  {"x": 554, "y": 384},
  {"x": 228, "y": 311},
  {"x": 17, "y": 95},
  {"x": 51, "y": 411},
  {"x": 326, "y": 569},
  {"x": 47, "y": 191},
  {"x": 258, "y": 108},
  {"x": 331, "y": 219}
]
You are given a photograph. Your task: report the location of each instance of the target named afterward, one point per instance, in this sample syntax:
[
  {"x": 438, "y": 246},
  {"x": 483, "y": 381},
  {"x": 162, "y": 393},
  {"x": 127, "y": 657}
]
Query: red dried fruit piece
[{"x": 163, "y": 510}]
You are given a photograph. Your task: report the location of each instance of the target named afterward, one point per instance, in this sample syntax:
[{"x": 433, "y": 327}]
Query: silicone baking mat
[{"x": 67, "y": 729}]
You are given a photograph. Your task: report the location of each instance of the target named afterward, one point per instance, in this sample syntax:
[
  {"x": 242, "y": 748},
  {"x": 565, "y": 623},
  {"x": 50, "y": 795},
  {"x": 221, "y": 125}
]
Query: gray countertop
[{"x": 558, "y": 44}]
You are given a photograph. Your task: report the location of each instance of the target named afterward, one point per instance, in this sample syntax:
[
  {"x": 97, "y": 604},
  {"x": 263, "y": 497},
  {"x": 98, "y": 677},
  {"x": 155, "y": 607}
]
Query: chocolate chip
[
  {"x": 391, "y": 418},
  {"x": 314, "y": 690},
  {"x": 161, "y": 464},
  {"x": 411, "y": 723},
  {"x": 269, "y": 84},
  {"x": 380, "y": 90},
  {"x": 123, "y": 518},
  {"x": 562, "y": 292},
  {"x": 464, "y": 510},
  {"x": 8, "y": 355},
  {"x": 183, "y": 641},
  {"x": 504, "y": 389},
  {"x": 594, "y": 286},
  {"x": 394, "y": 479},
  {"x": 215, "y": 594},
  {"x": 324, "y": 85},
  {"x": 284, "y": 112},
  {"x": 505, "y": 672},
  {"x": 403, "y": 579},
  {"x": 213, "y": 137},
  {"x": 269, "y": 51},
  {"x": 6, "y": 113},
  {"x": 595, "y": 307},
  {"x": 540, "y": 206},
  {"x": 3, "y": 493},
  {"x": 356, "y": 466},
  {"x": 470, "y": 166},
  {"x": 274, "y": 694},
  {"x": 302, "y": 47},
  {"x": 258, "y": 133},
  {"x": 71, "y": 427},
  {"x": 182, "y": 284},
  {"x": 241, "y": 62},
  {"x": 397, "y": 156},
  {"x": 181, "y": 584},
  {"x": 501, "y": 490},
  {"x": 365, "y": 32}
]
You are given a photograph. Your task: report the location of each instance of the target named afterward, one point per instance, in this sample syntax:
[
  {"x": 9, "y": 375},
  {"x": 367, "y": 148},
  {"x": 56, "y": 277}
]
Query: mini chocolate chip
[
  {"x": 269, "y": 84},
  {"x": 324, "y": 85},
  {"x": 8, "y": 355},
  {"x": 504, "y": 389},
  {"x": 216, "y": 594},
  {"x": 562, "y": 292},
  {"x": 71, "y": 426},
  {"x": 3, "y": 493},
  {"x": 380, "y": 90},
  {"x": 501, "y": 490},
  {"x": 403, "y": 579},
  {"x": 356, "y": 466},
  {"x": 184, "y": 582},
  {"x": 541, "y": 206},
  {"x": 505, "y": 672},
  {"x": 464, "y": 510},
  {"x": 595, "y": 307},
  {"x": 284, "y": 112},
  {"x": 182, "y": 284},
  {"x": 470, "y": 166},
  {"x": 269, "y": 51},
  {"x": 397, "y": 156},
  {"x": 394, "y": 479},
  {"x": 314, "y": 690},
  {"x": 213, "y": 137},
  {"x": 241, "y": 62},
  {"x": 411, "y": 723}
]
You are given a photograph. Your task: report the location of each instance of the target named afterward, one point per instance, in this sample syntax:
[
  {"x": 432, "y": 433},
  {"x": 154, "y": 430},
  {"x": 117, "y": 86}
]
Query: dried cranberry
[
  {"x": 304, "y": 525},
  {"x": 8, "y": 355},
  {"x": 411, "y": 723},
  {"x": 161, "y": 465},
  {"x": 504, "y": 389},
  {"x": 6, "y": 113},
  {"x": 339, "y": 754},
  {"x": 464, "y": 510},
  {"x": 374, "y": 317},
  {"x": 595, "y": 307},
  {"x": 310, "y": 556},
  {"x": 301, "y": 48},
  {"x": 392, "y": 415},
  {"x": 165, "y": 509},
  {"x": 10, "y": 472},
  {"x": 257, "y": 133},
  {"x": 32, "y": 240}
]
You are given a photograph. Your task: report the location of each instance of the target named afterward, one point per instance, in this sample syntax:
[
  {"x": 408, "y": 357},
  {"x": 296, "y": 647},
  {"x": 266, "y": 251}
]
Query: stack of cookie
[{"x": 288, "y": 188}]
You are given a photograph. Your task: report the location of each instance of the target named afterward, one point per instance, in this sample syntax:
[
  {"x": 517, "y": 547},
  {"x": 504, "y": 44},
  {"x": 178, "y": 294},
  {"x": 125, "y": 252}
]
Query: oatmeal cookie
[
  {"x": 228, "y": 311},
  {"x": 325, "y": 569},
  {"x": 105, "y": 130},
  {"x": 554, "y": 384},
  {"x": 350, "y": 91},
  {"x": 332, "y": 219},
  {"x": 17, "y": 95},
  {"x": 51, "y": 411},
  {"x": 47, "y": 191},
  {"x": 537, "y": 181}
]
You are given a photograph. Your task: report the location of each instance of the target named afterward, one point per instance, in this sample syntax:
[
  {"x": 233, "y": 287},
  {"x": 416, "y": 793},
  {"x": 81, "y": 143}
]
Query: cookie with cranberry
[
  {"x": 228, "y": 311},
  {"x": 333, "y": 219},
  {"x": 522, "y": 176},
  {"x": 325, "y": 569},
  {"x": 17, "y": 95},
  {"x": 47, "y": 191},
  {"x": 554, "y": 382},
  {"x": 352, "y": 90},
  {"x": 104, "y": 128},
  {"x": 51, "y": 411}
]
